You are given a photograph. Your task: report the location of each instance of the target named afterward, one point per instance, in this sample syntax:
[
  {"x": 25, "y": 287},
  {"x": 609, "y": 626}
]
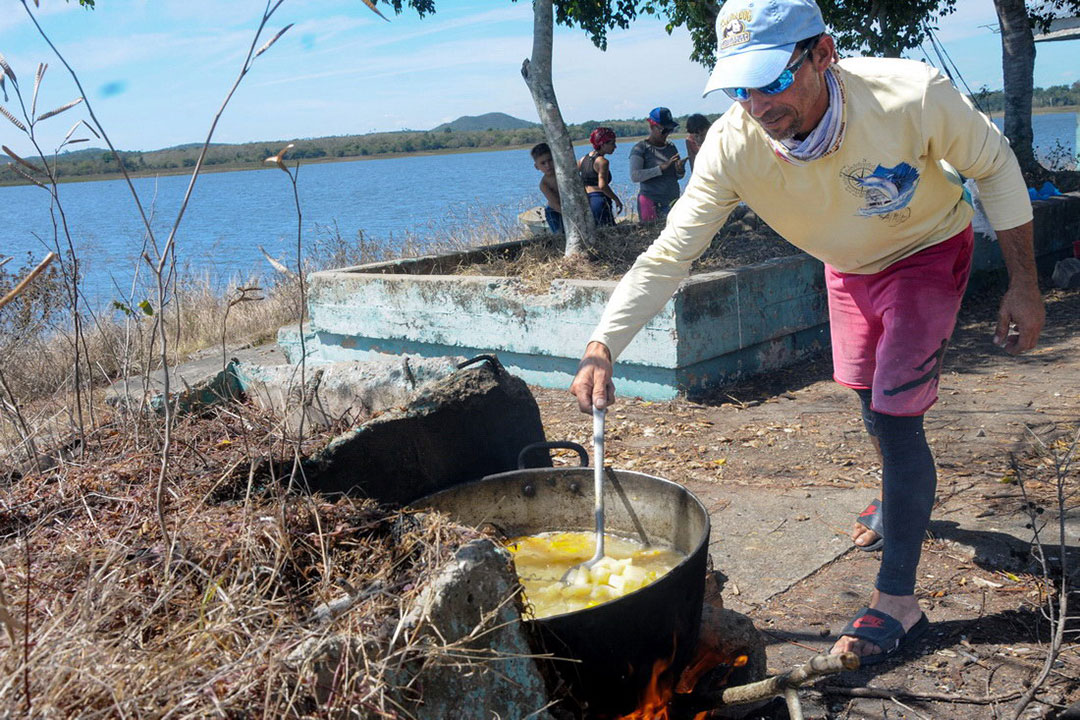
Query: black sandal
[
  {"x": 870, "y": 518},
  {"x": 885, "y": 631}
]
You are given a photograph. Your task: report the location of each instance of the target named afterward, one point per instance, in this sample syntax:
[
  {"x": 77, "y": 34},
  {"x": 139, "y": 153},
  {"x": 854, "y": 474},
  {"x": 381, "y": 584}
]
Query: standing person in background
[
  {"x": 542, "y": 161},
  {"x": 656, "y": 166},
  {"x": 596, "y": 173},
  {"x": 859, "y": 163},
  {"x": 696, "y": 127}
]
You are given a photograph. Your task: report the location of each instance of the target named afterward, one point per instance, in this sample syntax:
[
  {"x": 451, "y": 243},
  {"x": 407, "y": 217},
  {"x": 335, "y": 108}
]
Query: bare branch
[
  {"x": 371, "y": 5},
  {"x": 271, "y": 41},
  {"x": 27, "y": 280}
]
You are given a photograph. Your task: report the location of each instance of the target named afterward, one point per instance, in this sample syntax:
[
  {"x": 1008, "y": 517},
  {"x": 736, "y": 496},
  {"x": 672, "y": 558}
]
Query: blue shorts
[
  {"x": 601, "y": 209},
  {"x": 554, "y": 220}
]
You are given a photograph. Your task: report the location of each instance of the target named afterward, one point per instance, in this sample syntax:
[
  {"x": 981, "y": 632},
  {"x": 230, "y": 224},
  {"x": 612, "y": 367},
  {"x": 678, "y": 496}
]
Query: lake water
[{"x": 232, "y": 214}]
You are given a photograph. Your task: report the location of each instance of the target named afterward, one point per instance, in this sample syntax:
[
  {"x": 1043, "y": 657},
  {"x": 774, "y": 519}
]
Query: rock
[
  {"x": 465, "y": 426},
  {"x": 461, "y": 650},
  {"x": 725, "y": 635},
  {"x": 351, "y": 390},
  {"x": 1067, "y": 273},
  {"x": 471, "y": 610}
]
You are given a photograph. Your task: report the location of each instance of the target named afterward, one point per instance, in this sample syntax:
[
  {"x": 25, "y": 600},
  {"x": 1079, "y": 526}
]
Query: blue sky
[{"x": 157, "y": 70}]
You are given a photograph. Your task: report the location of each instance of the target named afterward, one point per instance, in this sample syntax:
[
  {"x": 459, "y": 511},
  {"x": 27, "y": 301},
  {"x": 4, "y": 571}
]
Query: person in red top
[{"x": 596, "y": 174}]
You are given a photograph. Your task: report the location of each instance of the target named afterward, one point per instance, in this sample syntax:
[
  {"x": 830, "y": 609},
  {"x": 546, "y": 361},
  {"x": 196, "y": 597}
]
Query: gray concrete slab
[
  {"x": 768, "y": 540},
  {"x": 765, "y": 541}
]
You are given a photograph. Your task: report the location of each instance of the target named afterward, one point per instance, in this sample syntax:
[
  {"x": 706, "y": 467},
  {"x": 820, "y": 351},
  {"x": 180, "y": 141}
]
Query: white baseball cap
[{"x": 755, "y": 39}]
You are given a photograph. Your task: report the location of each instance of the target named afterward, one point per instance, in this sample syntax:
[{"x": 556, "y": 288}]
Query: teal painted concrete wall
[{"x": 717, "y": 327}]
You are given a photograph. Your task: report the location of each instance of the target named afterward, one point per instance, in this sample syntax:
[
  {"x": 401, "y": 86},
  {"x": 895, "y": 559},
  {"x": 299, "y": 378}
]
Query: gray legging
[{"x": 908, "y": 481}]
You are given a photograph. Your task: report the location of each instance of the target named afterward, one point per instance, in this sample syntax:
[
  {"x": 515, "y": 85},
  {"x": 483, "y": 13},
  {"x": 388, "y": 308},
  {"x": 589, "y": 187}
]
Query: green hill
[{"x": 487, "y": 121}]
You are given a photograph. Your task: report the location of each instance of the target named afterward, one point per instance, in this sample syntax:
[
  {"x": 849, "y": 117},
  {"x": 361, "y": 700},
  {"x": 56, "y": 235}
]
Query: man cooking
[{"x": 859, "y": 163}]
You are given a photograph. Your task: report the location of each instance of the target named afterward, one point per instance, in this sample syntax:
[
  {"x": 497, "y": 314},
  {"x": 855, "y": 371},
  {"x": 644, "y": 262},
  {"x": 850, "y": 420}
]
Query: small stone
[{"x": 1067, "y": 273}]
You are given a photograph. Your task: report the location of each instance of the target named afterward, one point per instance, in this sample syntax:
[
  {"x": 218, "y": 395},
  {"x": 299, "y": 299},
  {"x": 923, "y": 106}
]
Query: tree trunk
[
  {"x": 1018, "y": 64},
  {"x": 577, "y": 218},
  {"x": 889, "y": 48}
]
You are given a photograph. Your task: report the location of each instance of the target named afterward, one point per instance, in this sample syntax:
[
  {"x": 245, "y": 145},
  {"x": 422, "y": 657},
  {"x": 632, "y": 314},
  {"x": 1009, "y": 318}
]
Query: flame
[
  {"x": 655, "y": 697},
  {"x": 705, "y": 660},
  {"x": 661, "y": 688}
]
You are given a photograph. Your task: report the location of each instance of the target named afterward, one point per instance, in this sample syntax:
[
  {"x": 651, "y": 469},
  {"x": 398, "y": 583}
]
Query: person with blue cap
[
  {"x": 859, "y": 162},
  {"x": 656, "y": 166}
]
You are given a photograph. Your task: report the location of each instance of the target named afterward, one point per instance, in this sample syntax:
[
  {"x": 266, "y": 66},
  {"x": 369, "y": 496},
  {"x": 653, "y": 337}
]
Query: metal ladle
[{"x": 598, "y": 493}]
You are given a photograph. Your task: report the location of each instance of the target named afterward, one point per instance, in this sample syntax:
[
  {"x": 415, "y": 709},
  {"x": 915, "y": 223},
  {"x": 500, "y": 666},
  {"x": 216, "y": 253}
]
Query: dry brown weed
[{"x": 98, "y": 626}]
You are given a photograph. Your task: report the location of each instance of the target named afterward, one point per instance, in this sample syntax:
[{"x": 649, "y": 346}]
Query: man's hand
[
  {"x": 1020, "y": 319},
  {"x": 592, "y": 385},
  {"x": 1022, "y": 315}
]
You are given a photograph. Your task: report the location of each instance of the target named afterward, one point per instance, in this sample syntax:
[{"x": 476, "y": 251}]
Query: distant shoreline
[
  {"x": 208, "y": 169},
  {"x": 12, "y": 182},
  {"x": 1044, "y": 110}
]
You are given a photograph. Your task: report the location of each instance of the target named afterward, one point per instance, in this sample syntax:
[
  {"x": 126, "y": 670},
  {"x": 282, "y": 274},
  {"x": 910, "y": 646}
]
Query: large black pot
[{"x": 616, "y": 643}]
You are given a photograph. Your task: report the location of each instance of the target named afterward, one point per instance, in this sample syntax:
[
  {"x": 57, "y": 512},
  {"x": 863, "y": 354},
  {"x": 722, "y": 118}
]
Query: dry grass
[
  {"x": 114, "y": 632},
  {"x": 36, "y": 358},
  {"x": 744, "y": 240}
]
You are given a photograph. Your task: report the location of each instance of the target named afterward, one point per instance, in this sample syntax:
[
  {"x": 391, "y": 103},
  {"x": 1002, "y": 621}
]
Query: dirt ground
[{"x": 796, "y": 429}]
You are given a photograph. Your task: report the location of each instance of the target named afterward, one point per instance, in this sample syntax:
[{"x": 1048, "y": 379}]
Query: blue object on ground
[{"x": 1046, "y": 191}]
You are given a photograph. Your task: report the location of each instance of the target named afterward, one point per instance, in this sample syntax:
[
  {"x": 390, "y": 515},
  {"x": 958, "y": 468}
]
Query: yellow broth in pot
[{"x": 542, "y": 559}]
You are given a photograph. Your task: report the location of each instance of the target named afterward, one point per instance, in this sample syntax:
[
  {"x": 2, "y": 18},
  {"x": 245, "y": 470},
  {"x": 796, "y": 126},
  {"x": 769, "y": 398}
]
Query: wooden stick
[
  {"x": 890, "y": 693},
  {"x": 27, "y": 280},
  {"x": 774, "y": 686}
]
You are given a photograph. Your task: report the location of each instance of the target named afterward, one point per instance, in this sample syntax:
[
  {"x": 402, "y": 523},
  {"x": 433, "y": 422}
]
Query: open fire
[{"x": 662, "y": 688}]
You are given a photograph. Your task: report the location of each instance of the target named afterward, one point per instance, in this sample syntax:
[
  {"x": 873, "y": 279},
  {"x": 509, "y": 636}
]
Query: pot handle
[
  {"x": 494, "y": 361},
  {"x": 561, "y": 445}
]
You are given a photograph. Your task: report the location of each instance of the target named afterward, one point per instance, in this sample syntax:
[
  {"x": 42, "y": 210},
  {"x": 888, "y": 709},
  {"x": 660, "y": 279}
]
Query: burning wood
[
  {"x": 698, "y": 705},
  {"x": 658, "y": 700},
  {"x": 666, "y": 699}
]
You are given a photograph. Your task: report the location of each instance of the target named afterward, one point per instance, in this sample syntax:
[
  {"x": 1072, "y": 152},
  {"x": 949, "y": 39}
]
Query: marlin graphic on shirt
[{"x": 886, "y": 190}]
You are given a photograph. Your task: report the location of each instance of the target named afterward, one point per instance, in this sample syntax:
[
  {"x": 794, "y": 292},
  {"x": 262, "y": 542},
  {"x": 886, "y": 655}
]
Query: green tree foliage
[
  {"x": 1055, "y": 96},
  {"x": 1044, "y": 12},
  {"x": 882, "y": 28},
  {"x": 875, "y": 27}
]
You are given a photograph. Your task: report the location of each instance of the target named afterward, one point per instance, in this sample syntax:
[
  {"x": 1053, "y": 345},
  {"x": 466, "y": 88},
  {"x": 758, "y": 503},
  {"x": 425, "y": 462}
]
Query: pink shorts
[
  {"x": 890, "y": 329},
  {"x": 649, "y": 209}
]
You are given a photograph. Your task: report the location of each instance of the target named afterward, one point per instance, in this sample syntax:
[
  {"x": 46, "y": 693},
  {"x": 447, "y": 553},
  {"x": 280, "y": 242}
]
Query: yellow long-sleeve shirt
[{"x": 887, "y": 191}]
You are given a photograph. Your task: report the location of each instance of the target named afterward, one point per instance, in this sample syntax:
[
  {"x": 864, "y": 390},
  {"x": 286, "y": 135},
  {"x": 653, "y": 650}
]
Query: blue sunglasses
[{"x": 779, "y": 85}]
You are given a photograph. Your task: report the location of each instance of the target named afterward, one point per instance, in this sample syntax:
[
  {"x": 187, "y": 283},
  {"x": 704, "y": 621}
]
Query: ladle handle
[{"x": 598, "y": 479}]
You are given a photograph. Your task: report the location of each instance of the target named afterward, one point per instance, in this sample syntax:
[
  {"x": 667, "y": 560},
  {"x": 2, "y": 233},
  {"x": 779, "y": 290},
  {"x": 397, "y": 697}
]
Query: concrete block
[{"x": 717, "y": 327}]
